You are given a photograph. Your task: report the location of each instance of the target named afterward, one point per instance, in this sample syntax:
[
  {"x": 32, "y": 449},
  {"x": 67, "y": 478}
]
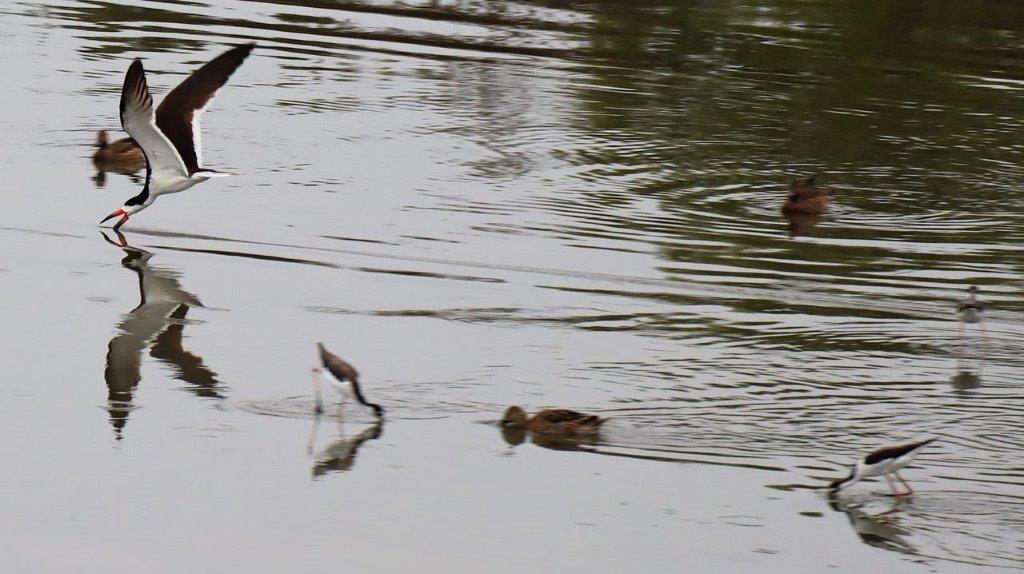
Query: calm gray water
[{"x": 492, "y": 203}]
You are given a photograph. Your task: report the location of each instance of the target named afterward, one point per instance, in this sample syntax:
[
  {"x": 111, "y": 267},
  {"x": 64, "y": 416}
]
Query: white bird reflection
[{"x": 156, "y": 323}]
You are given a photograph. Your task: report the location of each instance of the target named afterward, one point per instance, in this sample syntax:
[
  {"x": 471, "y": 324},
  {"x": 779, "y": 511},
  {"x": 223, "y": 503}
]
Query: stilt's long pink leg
[
  {"x": 909, "y": 490},
  {"x": 316, "y": 391},
  {"x": 892, "y": 487}
]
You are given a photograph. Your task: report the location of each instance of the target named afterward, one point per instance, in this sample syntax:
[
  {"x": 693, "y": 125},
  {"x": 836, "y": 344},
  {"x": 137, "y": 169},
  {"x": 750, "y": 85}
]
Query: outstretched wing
[
  {"x": 178, "y": 116},
  {"x": 137, "y": 119}
]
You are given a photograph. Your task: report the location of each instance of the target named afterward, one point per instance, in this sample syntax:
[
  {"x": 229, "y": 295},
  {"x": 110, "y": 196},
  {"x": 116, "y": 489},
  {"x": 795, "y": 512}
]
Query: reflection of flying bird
[
  {"x": 971, "y": 310},
  {"x": 553, "y": 421},
  {"x": 159, "y": 318},
  {"x": 170, "y": 136},
  {"x": 806, "y": 196},
  {"x": 342, "y": 371},
  {"x": 885, "y": 461}
]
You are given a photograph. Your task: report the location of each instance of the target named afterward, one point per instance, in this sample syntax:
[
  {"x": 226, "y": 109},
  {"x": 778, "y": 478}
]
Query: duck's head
[
  {"x": 101, "y": 139},
  {"x": 514, "y": 417},
  {"x": 803, "y": 183}
]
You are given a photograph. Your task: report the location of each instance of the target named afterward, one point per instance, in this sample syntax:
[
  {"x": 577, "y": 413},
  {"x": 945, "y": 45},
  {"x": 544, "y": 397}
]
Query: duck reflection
[
  {"x": 801, "y": 223},
  {"x": 517, "y": 436},
  {"x": 340, "y": 454},
  {"x": 881, "y": 530},
  {"x": 157, "y": 323}
]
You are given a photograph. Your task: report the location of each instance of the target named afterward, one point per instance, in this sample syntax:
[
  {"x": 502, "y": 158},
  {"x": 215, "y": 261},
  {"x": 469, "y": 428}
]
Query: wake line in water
[{"x": 808, "y": 294}]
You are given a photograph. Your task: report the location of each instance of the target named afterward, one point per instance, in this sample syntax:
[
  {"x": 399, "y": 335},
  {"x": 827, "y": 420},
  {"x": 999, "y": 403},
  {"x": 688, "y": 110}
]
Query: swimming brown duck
[
  {"x": 553, "y": 421},
  {"x": 121, "y": 151},
  {"x": 806, "y": 196}
]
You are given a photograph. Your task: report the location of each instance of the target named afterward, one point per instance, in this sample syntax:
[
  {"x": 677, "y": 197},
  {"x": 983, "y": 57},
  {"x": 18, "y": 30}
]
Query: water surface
[{"x": 492, "y": 203}]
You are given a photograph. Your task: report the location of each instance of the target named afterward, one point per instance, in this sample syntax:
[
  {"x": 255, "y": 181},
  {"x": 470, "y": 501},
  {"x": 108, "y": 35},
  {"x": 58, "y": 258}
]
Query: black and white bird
[
  {"x": 342, "y": 371},
  {"x": 170, "y": 135},
  {"x": 971, "y": 310},
  {"x": 885, "y": 461}
]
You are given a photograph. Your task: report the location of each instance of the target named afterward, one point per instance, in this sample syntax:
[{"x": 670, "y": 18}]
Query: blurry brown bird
[
  {"x": 553, "y": 421},
  {"x": 121, "y": 151},
  {"x": 805, "y": 196}
]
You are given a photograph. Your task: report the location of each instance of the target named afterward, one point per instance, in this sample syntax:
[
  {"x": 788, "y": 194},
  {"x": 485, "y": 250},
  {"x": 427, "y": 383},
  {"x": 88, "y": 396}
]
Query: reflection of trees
[{"x": 747, "y": 74}]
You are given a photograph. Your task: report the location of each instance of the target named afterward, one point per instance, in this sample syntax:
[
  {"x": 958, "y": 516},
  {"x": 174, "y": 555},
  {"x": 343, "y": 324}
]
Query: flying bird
[
  {"x": 884, "y": 461},
  {"x": 170, "y": 136}
]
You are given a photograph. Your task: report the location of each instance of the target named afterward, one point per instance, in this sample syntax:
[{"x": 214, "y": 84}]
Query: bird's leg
[
  {"x": 312, "y": 434},
  {"x": 319, "y": 408},
  {"x": 909, "y": 490},
  {"x": 341, "y": 406},
  {"x": 892, "y": 487},
  {"x": 984, "y": 331}
]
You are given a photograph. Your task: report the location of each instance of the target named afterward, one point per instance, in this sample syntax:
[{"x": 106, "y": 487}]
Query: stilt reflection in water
[
  {"x": 340, "y": 454},
  {"x": 881, "y": 530},
  {"x": 158, "y": 323}
]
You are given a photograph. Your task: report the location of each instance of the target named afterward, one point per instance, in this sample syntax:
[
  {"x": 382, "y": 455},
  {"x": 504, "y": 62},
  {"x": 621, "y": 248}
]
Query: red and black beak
[{"x": 119, "y": 212}]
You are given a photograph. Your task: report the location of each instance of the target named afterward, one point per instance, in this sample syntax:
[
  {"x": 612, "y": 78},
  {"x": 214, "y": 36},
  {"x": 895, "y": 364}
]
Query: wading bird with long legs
[
  {"x": 342, "y": 371},
  {"x": 884, "y": 461}
]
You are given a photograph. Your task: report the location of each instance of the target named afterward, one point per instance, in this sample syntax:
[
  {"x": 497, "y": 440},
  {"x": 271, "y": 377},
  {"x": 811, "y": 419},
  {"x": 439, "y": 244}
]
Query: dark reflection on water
[
  {"x": 156, "y": 323},
  {"x": 957, "y": 527},
  {"x": 881, "y": 529},
  {"x": 339, "y": 455},
  {"x": 515, "y": 437}
]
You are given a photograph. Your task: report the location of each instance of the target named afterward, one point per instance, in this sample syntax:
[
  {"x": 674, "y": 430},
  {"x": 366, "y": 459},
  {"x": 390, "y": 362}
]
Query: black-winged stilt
[
  {"x": 342, "y": 371},
  {"x": 170, "y": 136},
  {"x": 884, "y": 461},
  {"x": 971, "y": 310}
]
